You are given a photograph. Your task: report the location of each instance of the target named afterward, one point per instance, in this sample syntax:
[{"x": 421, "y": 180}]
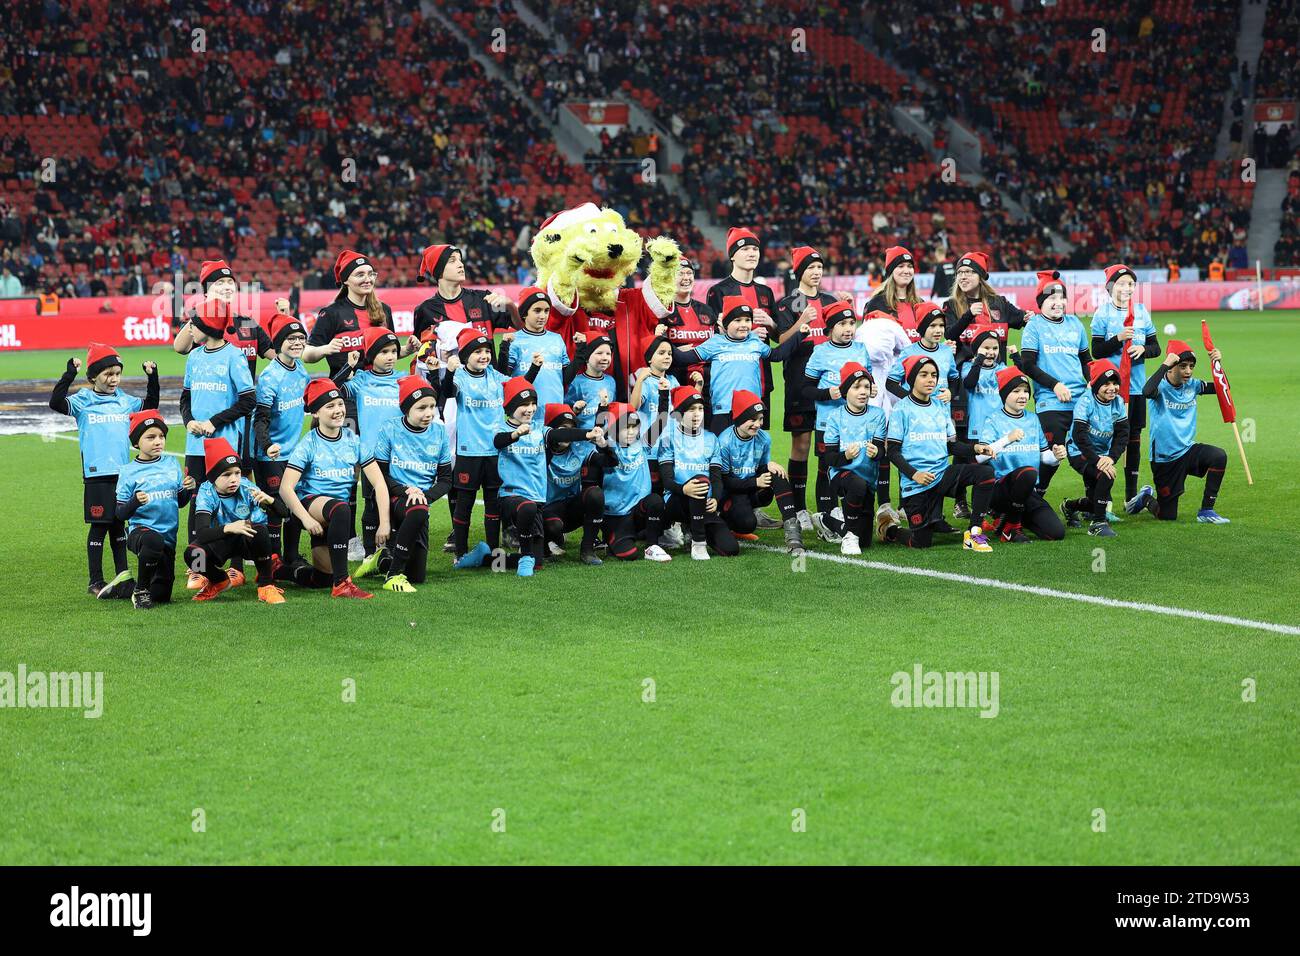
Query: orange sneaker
[
  {"x": 270, "y": 594},
  {"x": 236, "y": 577},
  {"x": 195, "y": 581},
  {"x": 740, "y": 536},
  {"x": 211, "y": 590},
  {"x": 277, "y": 563},
  {"x": 347, "y": 589}
]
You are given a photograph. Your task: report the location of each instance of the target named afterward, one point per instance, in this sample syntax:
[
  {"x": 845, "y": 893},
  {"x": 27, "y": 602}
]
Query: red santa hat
[
  {"x": 735, "y": 307},
  {"x": 412, "y": 388},
  {"x": 517, "y": 391},
  {"x": 926, "y": 313},
  {"x": 319, "y": 393},
  {"x": 560, "y": 415},
  {"x": 347, "y": 263},
  {"x": 144, "y": 420},
  {"x": 470, "y": 341},
  {"x": 913, "y": 364},
  {"x": 432, "y": 261},
  {"x": 212, "y": 270},
  {"x": 802, "y": 258},
  {"x": 1009, "y": 379},
  {"x": 377, "y": 338},
  {"x": 851, "y": 372},
  {"x": 1114, "y": 272},
  {"x": 976, "y": 261},
  {"x": 217, "y": 457},
  {"x": 528, "y": 296},
  {"x": 896, "y": 256},
  {"x": 737, "y": 238},
  {"x": 1049, "y": 283},
  {"x": 684, "y": 396},
  {"x": 837, "y": 312},
  {"x": 558, "y": 222},
  {"x": 100, "y": 357},
  {"x": 1102, "y": 372},
  {"x": 1182, "y": 350},
  {"x": 981, "y": 332},
  {"x": 283, "y": 326},
  {"x": 744, "y": 406},
  {"x": 212, "y": 317}
]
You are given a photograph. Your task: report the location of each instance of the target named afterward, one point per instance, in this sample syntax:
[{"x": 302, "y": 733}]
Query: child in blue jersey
[
  {"x": 476, "y": 385},
  {"x": 325, "y": 466},
  {"x": 652, "y": 388},
  {"x": 522, "y": 451},
  {"x": 373, "y": 390},
  {"x": 631, "y": 507},
  {"x": 735, "y": 357},
  {"x": 1111, "y": 338},
  {"x": 230, "y": 524},
  {"x": 930, "y": 328},
  {"x": 1054, "y": 353},
  {"x": 574, "y": 497},
  {"x": 588, "y": 392},
  {"x": 919, "y": 440},
  {"x": 1171, "y": 394},
  {"x": 414, "y": 454},
  {"x": 103, "y": 414},
  {"x": 1098, "y": 439},
  {"x": 750, "y": 479},
  {"x": 150, "y": 494},
  {"x": 855, "y": 447},
  {"x": 979, "y": 390},
  {"x": 216, "y": 396},
  {"x": 533, "y": 340},
  {"x": 691, "y": 476},
  {"x": 822, "y": 387},
  {"x": 1018, "y": 448}
]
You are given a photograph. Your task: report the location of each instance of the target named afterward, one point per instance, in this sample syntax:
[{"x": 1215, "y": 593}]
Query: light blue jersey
[
  {"x": 328, "y": 465},
  {"x": 1025, "y": 453},
  {"x": 1172, "y": 417},
  {"x": 628, "y": 480},
  {"x": 691, "y": 455},
  {"x": 522, "y": 465},
  {"x": 161, "y": 480},
  {"x": 564, "y": 471},
  {"x": 1101, "y": 418},
  {"x": 743, "y": 457},
  {"x": 584, "y": 388},
  {"x": 280, "y": 388},
  {"x": 1058, "y": 343},
  {"x": 942, "y": 356},
  {"x": 479, "y": 414},
  {"x": 377, "y": 398},
  {"x": 236, "y": 506},
  {"x": 215, "y": 379},
  {"x": 823, "y": 370},
  {"x": 648, "y": 409},
  {"x": 845, "y": 428},
  {"x": 733, "y": 365},
  {"x": 1108, "y": 322},
  {"x": 984, "y": 397},
  {"x": 549, "y": 380},
  {"x": 103, "y": 429},
  {"x": 413, "y": 456},
  {"x": 923, "y": 432}
]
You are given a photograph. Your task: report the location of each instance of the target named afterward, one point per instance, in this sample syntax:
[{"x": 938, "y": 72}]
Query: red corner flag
[
  {"x": 1126, "y": 360},
  {"x": 1226, "y": 404}
]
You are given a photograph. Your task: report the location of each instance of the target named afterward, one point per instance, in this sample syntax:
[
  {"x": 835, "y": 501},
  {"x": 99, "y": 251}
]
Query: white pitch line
[{"x": 1043, "y": 592}]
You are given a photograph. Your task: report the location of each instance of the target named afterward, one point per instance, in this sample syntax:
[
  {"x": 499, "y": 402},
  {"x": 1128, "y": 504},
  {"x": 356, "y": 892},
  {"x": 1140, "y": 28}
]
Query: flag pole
[{"x": 1242, "y": 448}]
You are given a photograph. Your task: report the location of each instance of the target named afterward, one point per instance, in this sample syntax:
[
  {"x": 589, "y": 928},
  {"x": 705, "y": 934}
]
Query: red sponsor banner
[
  {"x": 600, "y": 113},
  {"x": 1275, "y": 111}
]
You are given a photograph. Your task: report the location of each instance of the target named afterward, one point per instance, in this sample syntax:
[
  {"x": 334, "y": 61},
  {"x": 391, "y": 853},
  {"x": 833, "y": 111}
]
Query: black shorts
[
  {"x": 1171, "y": 476},
  {"x": 268, "y": 475},
  {"x": 100, "y": 500},
  {"x": 1056, "y": 426},
  {"x": 472, "y": 472},
  {"x": 926, "y": 507},
  {"x": 1137, "y": 416},
  {"x": 800, "y": 419}
]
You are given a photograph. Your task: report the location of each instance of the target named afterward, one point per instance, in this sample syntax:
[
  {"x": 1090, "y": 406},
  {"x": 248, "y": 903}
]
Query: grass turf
[{"x": 772, "y": 692}]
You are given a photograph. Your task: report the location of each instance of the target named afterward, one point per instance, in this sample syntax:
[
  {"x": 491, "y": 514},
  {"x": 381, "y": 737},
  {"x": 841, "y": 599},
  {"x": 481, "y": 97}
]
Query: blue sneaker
[
  {"x": 1113, "y": 518},
  {"x": 1144, "y": 500},
  {"x": 526, "y": 565},
  {"x": 1210, "y": 516},
  {"x": 473, "y": 559}
]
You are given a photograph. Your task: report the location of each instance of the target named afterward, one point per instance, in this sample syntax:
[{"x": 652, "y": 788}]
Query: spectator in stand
[{"x": 10, "y": 286}]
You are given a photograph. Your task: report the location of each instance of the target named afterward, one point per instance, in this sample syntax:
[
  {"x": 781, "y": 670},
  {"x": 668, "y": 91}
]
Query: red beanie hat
[
  {"x": 529, "y": 295},
  {"x": 979, "y": 261},
  {"x": 559, "y": 415},
  {"x": 283, "y": 326},
  {"x": 1182, "y": 350},
  {"x": 470, "y": 341},
  {"x": 347, "y": 263},
  {"x": 926, "y": 313},
  {"x": 837, "y": 312},
  {"x": 684, "y": 396},
  {"x": 432, "y": 261},
  {"x": 738, "y": 238},
  {"x": 1009, "y": 378},
  {"x": 377, "y": 338},
  {"x": 912, "y": 365},
  {"x": 144, "y": 420},
  {"x": 734, "y": 307},
  {"x": 981, "y": 332},
  {"x": 217, "y": 457},
  {"x": 1049, "y": 283},
  {"x": 850, "y": 372},
  {"x": 802, "y": 258},
  {"x": 896, "y": 256},
  {"x": 1101, "y": 372},
  {"x": 596, "y": 342},
  {"x": 410, "y": 389},
  {"x": 101, "y": 357},
  {"x": 744, "y": 406},
  {"x": 212, "y": 317},
  {"x": 1117, "y": 270},
  {"x": 212, "y": 270},
  {"x": 517, "y": 391},
  {"x": 319, "y": 393},
  {"x": 615, "y": 412}
]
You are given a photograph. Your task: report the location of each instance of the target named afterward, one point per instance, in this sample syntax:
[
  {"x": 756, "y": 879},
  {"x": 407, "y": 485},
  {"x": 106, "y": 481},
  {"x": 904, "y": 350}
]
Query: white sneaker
[
  {"x": 837, "y": 513},
  {"x": 672, "y": 536},
  {"x": 823, "y": 531},
  {"x": 850, "y": 544},
  {"x": 699, "y": 551},
  {"x": 556, "y": 550},
  {"x": 356, "y": 550},
  {"x": 766, "y": 522},
  {"x": 805, "y": 520},
  {"x": 656, "y": 553}
]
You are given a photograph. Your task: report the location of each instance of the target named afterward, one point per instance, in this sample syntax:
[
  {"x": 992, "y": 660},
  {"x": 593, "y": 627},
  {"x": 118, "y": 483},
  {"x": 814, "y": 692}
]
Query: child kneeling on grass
[
  {"x": 414, "y": 455},
  {"x": 574, "y": 497},
  {"x": 229, "y": 524},
  {"x": 750, "y": 479},
  {"x": 855, "y": 450},
  {"x": 325, "y": 463},
  {"x": 919, "y": 441},
  {"x": 630, "y": 505},
  {"x": 1019, "y": 449},
  {"x": 1098, "y": 438},
  {"x": 691, "y": 477},
  {"x": 150, "y": 494}
]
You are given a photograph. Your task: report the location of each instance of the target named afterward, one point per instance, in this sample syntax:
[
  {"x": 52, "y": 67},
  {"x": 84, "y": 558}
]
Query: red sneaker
[
  {"x": 236, "y": 577},
  {"x": 346, "y": 589},
  {"x": 212, "y": 589}
]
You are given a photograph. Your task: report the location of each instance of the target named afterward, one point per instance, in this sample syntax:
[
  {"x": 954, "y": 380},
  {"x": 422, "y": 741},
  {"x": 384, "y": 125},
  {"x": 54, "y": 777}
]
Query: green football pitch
[{"x": 739, "y": 711}]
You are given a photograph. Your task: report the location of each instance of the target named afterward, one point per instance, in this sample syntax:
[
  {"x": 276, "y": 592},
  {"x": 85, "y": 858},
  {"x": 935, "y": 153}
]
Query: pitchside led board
[{"x": 134, "y": 320}]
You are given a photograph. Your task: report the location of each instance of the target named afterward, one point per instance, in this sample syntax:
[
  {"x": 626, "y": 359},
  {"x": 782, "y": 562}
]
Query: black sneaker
[
  {"x": 1100, "y": 529},
  {"x": 94, "y": 587},
  {"x": 141, "y": 600},
  {"x": 1072, "y": 519},
  {"x": 449, "y": 546},
  {"x": 120, "y": 587}
]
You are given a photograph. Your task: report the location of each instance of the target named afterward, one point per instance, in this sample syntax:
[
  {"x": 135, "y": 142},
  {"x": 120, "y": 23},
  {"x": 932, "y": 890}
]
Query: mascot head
[{"x": 588, "y": 249}]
